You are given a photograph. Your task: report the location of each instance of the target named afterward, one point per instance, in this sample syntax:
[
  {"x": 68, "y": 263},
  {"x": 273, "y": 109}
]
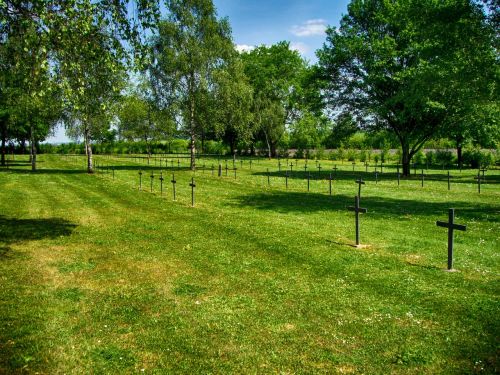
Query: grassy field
[{"x": 99, "y": 277}]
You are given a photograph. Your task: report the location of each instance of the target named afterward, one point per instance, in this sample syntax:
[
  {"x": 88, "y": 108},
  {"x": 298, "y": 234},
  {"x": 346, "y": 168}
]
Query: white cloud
[
  {"x": 309, "y": 28},
  {"x": 244, "y": 48},
  {"x": 300, "y": 47}
]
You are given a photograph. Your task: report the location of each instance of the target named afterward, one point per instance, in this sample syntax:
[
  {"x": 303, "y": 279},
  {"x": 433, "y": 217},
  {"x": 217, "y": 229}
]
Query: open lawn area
[{"x": 99, "y": 277}]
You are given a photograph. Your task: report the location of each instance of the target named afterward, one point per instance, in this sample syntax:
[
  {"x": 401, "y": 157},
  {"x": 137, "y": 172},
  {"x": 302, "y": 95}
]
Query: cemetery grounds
[{"x": 98, "y": 276}]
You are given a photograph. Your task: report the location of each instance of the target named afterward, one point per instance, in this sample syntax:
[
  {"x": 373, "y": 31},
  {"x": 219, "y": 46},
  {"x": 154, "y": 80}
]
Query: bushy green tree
[
  {"x": 406, "y": 65},
  {"x": 192, "y": 43}
]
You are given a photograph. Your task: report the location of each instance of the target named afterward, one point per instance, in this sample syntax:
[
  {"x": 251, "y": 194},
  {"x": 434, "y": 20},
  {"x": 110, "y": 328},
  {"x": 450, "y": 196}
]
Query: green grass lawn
[{"x": 99, "y": 277}]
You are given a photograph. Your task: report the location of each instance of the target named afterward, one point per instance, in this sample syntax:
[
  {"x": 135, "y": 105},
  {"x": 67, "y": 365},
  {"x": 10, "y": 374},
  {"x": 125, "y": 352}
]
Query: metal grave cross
[
  {"x": 319, "y": 170},
  {"x": 291, "y": 168},
  {"x": 357, "y": 210},
  {"x": 173, "y": 184},
  {"x": 140, "y": 179},
  {"x": 330, "y": 183},
  {"x": 483, "y": 170},
  {"x": 451, "y": 226},
  {"x": 335, "y": 170},
  {"x": 308, "y": 180},
  {"x": 305, "y": 168},
  {"x": 286, "y": 179},
  {"x": 178, "y": 164},
  {"x": 376, "y": 177},
  {"x": 268, "y": 178},
  {"x": 478, "y": 177},
  {"x": 235, "y": 172},
  {"x": 359, "y": 182},
  {"x": 161, "y": 183},
  {"x": 152, "y": 177},
  {"x": 448, "y": 180},
  {"x": 220, "y": 170},
  {"x": 353, "y": 164},
  {"x": 193, "y": 185}
]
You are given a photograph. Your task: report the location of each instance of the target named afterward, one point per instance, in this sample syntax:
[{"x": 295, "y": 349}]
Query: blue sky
[
  {"x": 301, "y": 22},
  {"x": 257, "y": 22}
]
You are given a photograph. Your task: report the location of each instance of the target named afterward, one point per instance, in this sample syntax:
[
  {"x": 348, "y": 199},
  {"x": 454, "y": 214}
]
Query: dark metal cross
[
  {"x": 173, "y": 184},
  {"x": 335, "y": 170},
  {"x": 178, "y": 164},
  {"x": 305, "y": 168},
  {"x": 478, "y": 178},
  {"x": 220, "y": 170},
  {"x": 308, "y": 179},
  {"x": 319, "y": 170},
  {"x": 357, "y": 210},
  {"x": 241, "y": 164},
  {"x": 279, "y": 166},
  {"x": 193, "y": 185},
  {"x": 286, "y": 179},
  {"x": 483, "y": 170},
  {"x": 451, "y": 226},
  {"x": 330, "y": 183},
  {"x": 353, "y": 164},
  {"x": 152, "y": 177},
  {"x": 449, "y": 180},
  {"x": 359, "y": 182},
  {"x": 268, "y": 178},
  {"x": 376, "y": 177},
  {"x": 291, "y": 168},
  {"x": 161, "y": 183},
  {"x": 235, "y": 172},
  {"x": 140, "y": 179}
]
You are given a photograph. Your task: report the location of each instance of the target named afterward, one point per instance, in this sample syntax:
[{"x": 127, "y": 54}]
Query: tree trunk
[
  {"x": 193, "y": 134},
  {"x": 459, "y": 154},
  {"x": 405, "y": 158},
  {"x": 33, "y": 151},
  {"x": 4, "y": 141},
  {"x": 268, "y": 146},
  {"x": 88, "y": 152},
  {"x": 273, "y": 149}
]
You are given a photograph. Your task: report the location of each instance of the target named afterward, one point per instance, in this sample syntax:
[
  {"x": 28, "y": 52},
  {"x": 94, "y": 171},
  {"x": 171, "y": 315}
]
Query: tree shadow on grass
[
  {"x": 13, "y": 230},
  {"x": 346, "y": 175},
  {"x": 286, "y": 202}
]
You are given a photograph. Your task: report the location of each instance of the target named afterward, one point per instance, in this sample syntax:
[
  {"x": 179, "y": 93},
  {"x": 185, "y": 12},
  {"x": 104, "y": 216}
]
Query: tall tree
[
  {"x": 140, "y": 120},
  {"x": 30, "y": 102},
  {"x": 233, "y": 105},
  {"x": 92, "y": 74},
  {"x": 275, "y": 73},
  {"x": 52, "y": 43},
  {"x": 191, "y": 44},
  {"x": 400, "y": 64}
]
